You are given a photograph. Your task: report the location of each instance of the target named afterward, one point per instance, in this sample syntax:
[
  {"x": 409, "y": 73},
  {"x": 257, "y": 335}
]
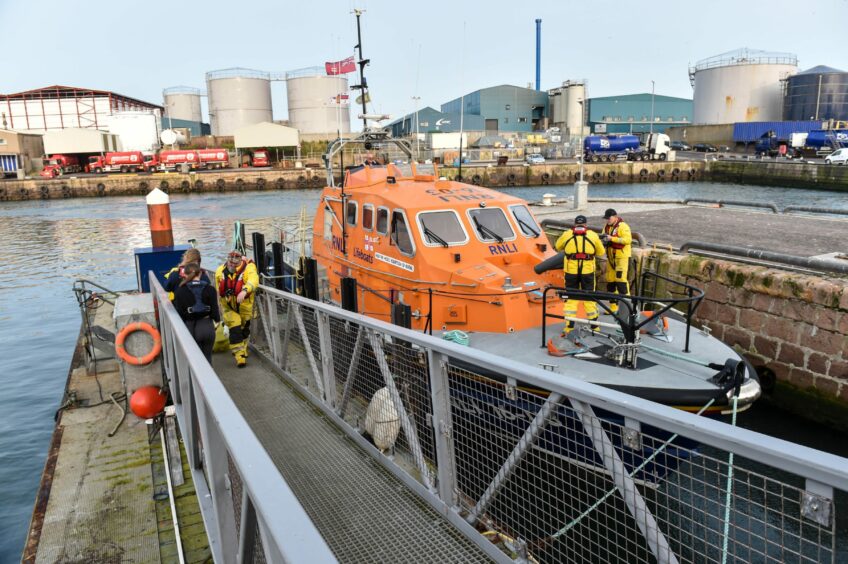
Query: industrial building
[
  {"x": 19, "y": 152},
  {"x": 60, "y": 107},
  {"x": 504, "y": 108},
  {"x": 741, "y": 85},
  {"x": 637, "y": 113},
  {"x": 567, "y": 108},
  {"x": 819, "y": 93},
  {"x": 238, "y": 97},
  {"x": 430, "y": 120}
]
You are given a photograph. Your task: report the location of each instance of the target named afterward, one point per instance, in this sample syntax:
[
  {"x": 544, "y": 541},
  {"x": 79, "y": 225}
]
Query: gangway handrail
[
  {"x": 206, "y": 411},
  {"x": 813, "y": 465}
]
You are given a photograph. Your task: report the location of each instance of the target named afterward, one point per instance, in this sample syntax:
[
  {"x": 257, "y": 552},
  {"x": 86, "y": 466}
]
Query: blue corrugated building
[
  {"x": 196, "y": 128},
  {"x": 631, "y": 113},
  {"x": 504, "y": 108},
  {"x": 431, "y": 120}
]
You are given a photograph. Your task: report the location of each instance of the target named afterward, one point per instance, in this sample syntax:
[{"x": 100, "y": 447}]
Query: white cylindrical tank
[
  {"x": 575, "y": 101},
  {"x": 183, "y": 102},
  {"x": 238, "y": 97},
  {"x": 318, "y": 104},
  {"x": 739, "y": 86}
]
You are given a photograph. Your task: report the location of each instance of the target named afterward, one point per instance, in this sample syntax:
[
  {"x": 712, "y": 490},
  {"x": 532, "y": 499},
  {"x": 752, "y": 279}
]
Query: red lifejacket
[
  {"x": 580, "y": 231},
  {"x": 232, "y": 284},
  {"x": 612, "y": 231}
]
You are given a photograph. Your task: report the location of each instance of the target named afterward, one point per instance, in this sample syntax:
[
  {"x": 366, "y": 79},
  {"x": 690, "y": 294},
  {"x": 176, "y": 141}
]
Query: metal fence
[
  {"x": 537, "y": 466},
  {"x": 232, "y": 473}
]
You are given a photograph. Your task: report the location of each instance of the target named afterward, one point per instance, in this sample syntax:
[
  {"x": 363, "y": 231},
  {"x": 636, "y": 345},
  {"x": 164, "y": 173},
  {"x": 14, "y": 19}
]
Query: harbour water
[{"x": 49, "y": 244}]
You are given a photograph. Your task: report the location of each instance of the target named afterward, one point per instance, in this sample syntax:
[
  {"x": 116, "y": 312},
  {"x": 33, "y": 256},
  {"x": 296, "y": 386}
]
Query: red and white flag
[{"x": 340, "y": 67}]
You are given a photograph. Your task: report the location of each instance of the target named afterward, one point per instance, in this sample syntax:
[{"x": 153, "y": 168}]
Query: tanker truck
[
  {"x": 57, "y": 165},
  {"x": 605, "y": 148}
]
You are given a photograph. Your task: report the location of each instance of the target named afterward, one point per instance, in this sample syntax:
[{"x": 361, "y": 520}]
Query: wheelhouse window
[
  {"x": 491, "y": 224},
  {"x": 441, "y": 228},
  {"x": 350, "y": 215},
  {"x": 400, "y": 234},
  {"x": 382, "y": 221},
  {"x": 368, "y": 217},
  {"x": 524, "y": 220}
]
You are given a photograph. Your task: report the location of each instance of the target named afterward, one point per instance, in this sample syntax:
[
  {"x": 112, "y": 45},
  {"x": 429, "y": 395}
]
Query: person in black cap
[
  {"x": 619, "y": 241},
  {"x": 580, "y": 246}
]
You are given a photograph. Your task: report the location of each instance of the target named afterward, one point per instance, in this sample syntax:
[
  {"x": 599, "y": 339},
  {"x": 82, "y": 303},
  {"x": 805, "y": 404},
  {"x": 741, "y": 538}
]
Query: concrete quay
[{"x": 791, "y": 326}]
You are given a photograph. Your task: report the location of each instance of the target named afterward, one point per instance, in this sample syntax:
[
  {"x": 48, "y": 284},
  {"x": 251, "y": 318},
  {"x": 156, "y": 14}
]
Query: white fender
[{"x": 381, "y": 420}]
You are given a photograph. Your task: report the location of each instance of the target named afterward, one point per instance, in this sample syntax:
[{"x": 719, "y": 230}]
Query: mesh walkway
[{"x": 364, "y": 513}]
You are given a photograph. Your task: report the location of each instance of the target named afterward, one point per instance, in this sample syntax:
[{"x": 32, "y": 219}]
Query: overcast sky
[{"x": 435, "y": 49}]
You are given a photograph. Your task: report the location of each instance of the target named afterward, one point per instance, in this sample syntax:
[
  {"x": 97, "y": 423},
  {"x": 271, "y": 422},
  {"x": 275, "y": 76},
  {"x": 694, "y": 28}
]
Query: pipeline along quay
[{"x": 739, "y": 171}]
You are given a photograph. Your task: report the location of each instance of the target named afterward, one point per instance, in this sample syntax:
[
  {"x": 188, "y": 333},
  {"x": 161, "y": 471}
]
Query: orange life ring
[{"x": 132, "y": 328}]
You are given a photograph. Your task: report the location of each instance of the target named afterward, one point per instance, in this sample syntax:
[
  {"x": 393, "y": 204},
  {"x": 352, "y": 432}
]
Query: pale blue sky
[{"x": 139, "y": 48}]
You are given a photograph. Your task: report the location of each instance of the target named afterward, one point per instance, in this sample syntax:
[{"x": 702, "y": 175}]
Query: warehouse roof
[
  {"x": 266, "y": 134},
  {"x": 63, "y": 92}
]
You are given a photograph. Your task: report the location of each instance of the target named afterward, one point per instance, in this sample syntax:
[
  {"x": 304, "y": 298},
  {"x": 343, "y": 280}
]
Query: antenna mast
[{"x": 363, "y": 84}]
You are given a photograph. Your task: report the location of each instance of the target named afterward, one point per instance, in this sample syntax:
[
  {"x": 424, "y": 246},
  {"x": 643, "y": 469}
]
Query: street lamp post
[
  {"x": 581, "y": 187},
  {"x": 652, "y": 106},
  {"x": 417, "y": 148}
]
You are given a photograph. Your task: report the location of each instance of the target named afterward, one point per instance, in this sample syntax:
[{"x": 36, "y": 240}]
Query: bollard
[
  {"x": 159, "y": 215},
  {"x": 581, "y": 195}
]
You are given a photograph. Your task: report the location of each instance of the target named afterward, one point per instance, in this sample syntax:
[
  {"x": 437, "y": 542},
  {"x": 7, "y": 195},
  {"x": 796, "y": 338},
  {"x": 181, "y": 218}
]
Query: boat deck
[{"x": 364, "y": 513}]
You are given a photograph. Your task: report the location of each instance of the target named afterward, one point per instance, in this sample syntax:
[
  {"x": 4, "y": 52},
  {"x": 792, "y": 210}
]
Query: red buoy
[{"x": 147, "y": 402}]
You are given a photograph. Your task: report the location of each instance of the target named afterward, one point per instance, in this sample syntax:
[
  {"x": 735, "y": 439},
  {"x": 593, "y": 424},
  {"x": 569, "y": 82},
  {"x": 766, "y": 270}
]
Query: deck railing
[
  {"x": 248, "y": 509},
  {"x": 541, "y": 466}
]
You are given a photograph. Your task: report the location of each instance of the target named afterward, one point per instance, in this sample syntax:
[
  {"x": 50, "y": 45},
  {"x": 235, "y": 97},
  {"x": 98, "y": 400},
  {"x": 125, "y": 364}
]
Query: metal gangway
[{"x": 469, "y": 457}]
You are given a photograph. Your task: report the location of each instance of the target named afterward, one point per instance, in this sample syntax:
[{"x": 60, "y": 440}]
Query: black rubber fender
[
  {"x": 220, "y": 184},
  {"x": 101, "y": 189},
  {"x": 198, "y": 185},
  {"x": 301, "y": 181},
  {"x": 643, "y": 173},
  {"x": 239, "y": 184},
  {"x": 476, "y": 180},
  {"x": 163, "y": 185},
  {"x": 261, "y": 183},
  {"x": 510, "y": 177},
  {"x": 661, "y": 173},
  {"x": 596, "y": 175},
  {"x": 691, "y": 173},
  {"x": 280, "y": 183},
  {"x": 550, "y": 263},
  {"x": 45, "y": 192},
  {"x": 612, "y": 174},
  {"x": 186, "y": 186},
  {"x": 675, "y": 172}
]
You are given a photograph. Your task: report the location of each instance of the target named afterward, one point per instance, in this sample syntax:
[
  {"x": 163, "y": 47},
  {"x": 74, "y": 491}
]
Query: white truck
[{"x": 656, "y": 146}]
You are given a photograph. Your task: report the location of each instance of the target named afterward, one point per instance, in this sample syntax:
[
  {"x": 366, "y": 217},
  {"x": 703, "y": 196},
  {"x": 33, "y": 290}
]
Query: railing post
[
  {"x": 327, "y": 365},
  {"x": 688, "y": 318},
  {"x": 215, "y": 464},
  {"x": 247, "y": 529},
  {"x": 443, "y": 427}
]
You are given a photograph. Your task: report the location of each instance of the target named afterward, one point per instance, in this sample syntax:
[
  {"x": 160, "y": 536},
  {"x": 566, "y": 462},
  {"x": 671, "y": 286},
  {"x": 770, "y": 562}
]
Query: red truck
[
  {"x": 57, "y": 165},
  {"x": 128, "y": 161},
  {"x": 213, "y": 158},
  {"x": 172, "y": 160},
  {"x": 260, "y": 158}
]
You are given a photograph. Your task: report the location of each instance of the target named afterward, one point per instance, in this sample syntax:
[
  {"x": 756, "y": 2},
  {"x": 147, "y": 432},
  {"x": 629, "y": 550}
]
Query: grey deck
[
  {"x": 364, "y": 512},
  {"x": 525, "y": 346}
]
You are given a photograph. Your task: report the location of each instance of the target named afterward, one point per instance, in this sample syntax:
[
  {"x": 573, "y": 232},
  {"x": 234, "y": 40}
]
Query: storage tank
[
  {"x": 742, "y": 85},
  {"x": 238, "y": 97},
  {"x": 574, "y": 108},
  {"x": 183, "y": 102},
  {"x": 819, "y": 93},
  {"x": 318, "y": 103}
]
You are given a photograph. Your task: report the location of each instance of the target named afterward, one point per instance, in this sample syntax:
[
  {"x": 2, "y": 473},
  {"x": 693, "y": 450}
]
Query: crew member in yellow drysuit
[
  {"x": 617, "y": 237},
  {"x": 237, "y": 280},
  {"x": 581, "y": 246}
]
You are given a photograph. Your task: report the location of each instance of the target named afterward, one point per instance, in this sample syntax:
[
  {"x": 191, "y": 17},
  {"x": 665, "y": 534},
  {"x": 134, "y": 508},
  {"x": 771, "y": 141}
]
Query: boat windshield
[
  {"x": 491, "y": 224},
  {"x": 442, "y": 228},
  {"x": 525, "y": 220}
]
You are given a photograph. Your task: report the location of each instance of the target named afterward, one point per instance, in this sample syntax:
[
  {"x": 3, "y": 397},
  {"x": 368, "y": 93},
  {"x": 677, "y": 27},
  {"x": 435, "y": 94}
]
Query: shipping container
[
  {"x": 136, "y": 131},
  {"x": 74, "y": 141}
]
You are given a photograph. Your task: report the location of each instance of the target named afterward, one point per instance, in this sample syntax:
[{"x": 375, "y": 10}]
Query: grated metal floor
[{"x": 364, "y": 513}]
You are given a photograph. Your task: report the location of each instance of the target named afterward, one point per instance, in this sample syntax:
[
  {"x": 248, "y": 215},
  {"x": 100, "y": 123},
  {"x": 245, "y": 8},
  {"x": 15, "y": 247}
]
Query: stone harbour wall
[{"x": 792, "y": 327}]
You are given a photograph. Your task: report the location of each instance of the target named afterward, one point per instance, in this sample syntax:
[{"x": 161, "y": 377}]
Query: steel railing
[
  {"x": 222, "y": 451},
  {"x": 542, "y": 466}
]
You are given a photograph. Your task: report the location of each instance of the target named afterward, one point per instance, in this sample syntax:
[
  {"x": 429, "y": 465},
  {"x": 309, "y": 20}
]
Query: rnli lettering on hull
[
  {"x": 395, "y": 262},
  {"x": 504, "y": 249}
]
